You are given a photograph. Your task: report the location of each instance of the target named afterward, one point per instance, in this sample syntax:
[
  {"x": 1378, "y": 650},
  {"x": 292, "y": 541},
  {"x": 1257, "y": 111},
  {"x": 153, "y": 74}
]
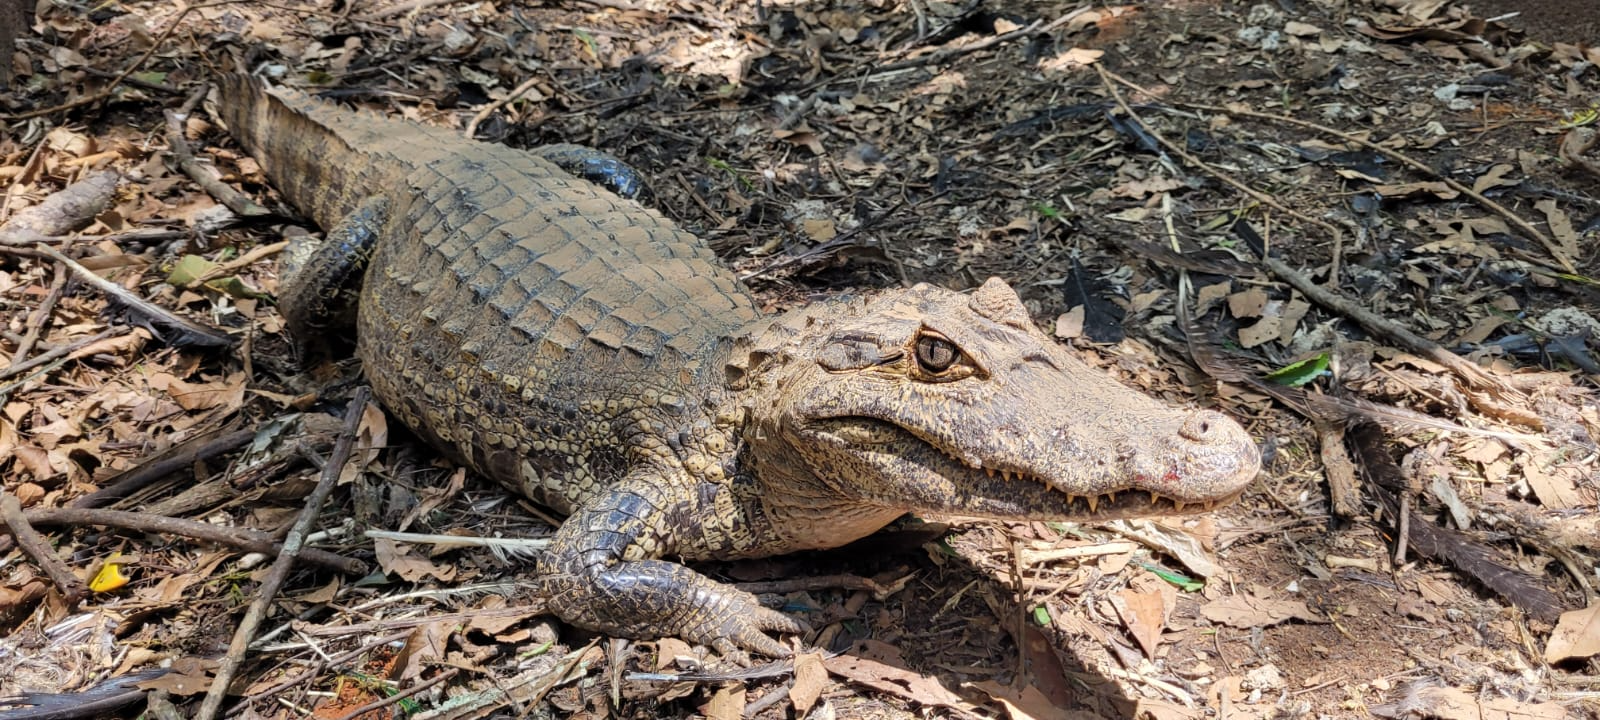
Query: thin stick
[
  {"x": 72, "y": 589},
  {"x": 292, "y": 545},
  {"x": 472, "y": 127},
  {"x": 41, "y": 316},
  {"x": 178, "y": 331}
]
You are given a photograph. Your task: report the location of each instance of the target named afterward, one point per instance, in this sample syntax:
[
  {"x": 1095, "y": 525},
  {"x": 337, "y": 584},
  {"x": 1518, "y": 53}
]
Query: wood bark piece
[
  {"x": 70, "y": 209},
  {"x": 136, "y": 479},
  {"x": 1343, "y": 489}
]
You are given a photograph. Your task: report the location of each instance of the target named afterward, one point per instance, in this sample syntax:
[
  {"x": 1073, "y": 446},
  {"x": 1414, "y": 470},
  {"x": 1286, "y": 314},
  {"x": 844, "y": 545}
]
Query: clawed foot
[{"x": 744, "y": 627}]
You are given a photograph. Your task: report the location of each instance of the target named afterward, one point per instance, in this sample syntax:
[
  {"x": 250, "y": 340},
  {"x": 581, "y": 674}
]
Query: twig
[
  {"x": 367, "y": 628},
  {"x": 244, "y": 539},
  {"x": 72, "y": 589},
  {"x": 1376, "y": 324},
  {"x": 41, "y": 316},
  {"x": 182, "y": 332},
  {"x": 1556, "y": 251},
  {"x": 292, "y": 546},
  {"x": 142, "y": 476},
  {"x": 206, "y": 175},
  {"x": 472, "y": 127},
  {"x": 136, "y": 82}
]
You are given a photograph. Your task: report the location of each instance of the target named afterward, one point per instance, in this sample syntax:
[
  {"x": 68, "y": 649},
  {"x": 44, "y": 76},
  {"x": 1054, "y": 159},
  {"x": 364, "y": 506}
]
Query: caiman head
[{"x": 935, "y": 401}]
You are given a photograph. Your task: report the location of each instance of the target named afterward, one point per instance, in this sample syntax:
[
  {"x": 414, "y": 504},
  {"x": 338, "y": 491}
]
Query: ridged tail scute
[{"x": 307, "y": 147}]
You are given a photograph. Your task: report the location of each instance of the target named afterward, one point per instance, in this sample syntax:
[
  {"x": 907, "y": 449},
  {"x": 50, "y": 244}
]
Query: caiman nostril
[{"x": 1199, "y": 425}]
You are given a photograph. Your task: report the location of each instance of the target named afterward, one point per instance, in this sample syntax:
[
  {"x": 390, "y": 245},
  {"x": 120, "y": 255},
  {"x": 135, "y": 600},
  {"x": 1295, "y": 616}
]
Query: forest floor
[{"x": 1423, "y": 179}]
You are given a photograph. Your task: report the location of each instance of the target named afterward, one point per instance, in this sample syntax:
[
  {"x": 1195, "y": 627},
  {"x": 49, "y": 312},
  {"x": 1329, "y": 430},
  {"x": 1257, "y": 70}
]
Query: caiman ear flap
[{"x": 998, "y": 302}]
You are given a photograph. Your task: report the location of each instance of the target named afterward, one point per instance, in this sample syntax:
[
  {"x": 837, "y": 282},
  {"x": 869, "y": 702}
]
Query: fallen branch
[
  {"x": 205, "y": 175},
  {"x": 1330, "y": 298},
  {"x": 240, "y": 538},
  {"x": 143, "y": 476},
  {"x": 72, "y": 589},
  {"x": 292, "y": 549}
]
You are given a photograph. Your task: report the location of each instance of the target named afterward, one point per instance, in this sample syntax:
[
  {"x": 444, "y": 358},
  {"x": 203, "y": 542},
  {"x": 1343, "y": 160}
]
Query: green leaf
[
  {"x": 1041, "y": 615},
  {"x": 1184, "y": 582},
  {"x": 188, "y": 269},
  {"x": 1047, "y": 211},
  {"x": 156, "y": 78},
  {"x": 235, "y": 288},
  {"x": 1300, "y": 373}
]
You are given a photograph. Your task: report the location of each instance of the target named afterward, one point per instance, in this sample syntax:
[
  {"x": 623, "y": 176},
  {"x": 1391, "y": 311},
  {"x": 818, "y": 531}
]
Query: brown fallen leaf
[
  {"x": 426, "y": 645},
  {"x": 1030, "y": 703},
  {"x": 1577, "y": 635},
  {"x": 1247, "y": 611},
  {"x": 397, "y": 558},
  {"x": 727, "y": 703},
  {"x": 810, "y": 679},
  {"x": 1144, "y": 615},
  {"x": 899, "y": 682}
]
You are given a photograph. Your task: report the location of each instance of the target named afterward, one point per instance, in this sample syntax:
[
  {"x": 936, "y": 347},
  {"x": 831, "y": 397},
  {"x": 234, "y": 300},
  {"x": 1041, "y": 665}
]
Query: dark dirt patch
[{"x": 1551, "y": 21}]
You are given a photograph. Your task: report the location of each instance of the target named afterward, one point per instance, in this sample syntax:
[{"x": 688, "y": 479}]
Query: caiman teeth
[
  {"x": 1177, "y": 505},
  {"x": 1094, "y": 502},
  {"x": 1154, "y": 498}
]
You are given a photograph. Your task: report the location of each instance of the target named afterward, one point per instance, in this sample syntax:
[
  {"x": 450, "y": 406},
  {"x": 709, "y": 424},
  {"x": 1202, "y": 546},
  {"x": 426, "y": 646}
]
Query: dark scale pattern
[{"x": 586, "y": 352}]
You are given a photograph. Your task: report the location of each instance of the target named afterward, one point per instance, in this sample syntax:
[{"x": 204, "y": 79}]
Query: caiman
[{"x": 588, "y": 353}]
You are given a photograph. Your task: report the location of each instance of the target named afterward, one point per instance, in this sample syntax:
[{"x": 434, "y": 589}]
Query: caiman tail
[{"x": 317, "y": 155}]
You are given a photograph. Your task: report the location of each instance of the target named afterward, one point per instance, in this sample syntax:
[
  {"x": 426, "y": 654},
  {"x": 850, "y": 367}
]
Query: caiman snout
[{"x": 1214, "y": 455}]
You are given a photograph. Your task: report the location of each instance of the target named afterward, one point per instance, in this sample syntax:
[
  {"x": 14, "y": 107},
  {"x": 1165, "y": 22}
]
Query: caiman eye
[{"x": 935, "y": 354}]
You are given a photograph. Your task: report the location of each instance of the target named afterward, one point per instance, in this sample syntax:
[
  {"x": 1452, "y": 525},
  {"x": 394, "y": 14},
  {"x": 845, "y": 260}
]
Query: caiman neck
[{"x": 806, "y": 509}]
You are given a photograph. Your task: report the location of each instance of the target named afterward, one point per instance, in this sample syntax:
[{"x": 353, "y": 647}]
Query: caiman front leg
[
  {"x": 603, "y": 572},
  {"x": 321, "y": 279}
]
